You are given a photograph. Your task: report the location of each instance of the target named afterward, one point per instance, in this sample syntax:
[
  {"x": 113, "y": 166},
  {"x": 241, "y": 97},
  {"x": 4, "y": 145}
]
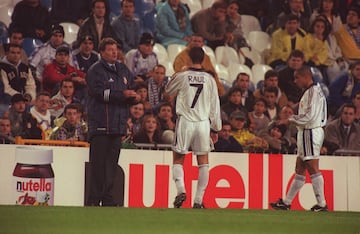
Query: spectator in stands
[
  {"x": 226, "y": 142},
  {"x": 348, "y": 35},
  {"x": 257, "y": 117},
  {"x": 329, "y": 9},
  {"x": 291, "y": 130},
  {"x": 15, "y": 37},
  {"x": 233, "y": 19},
  {"x": 243, "y": 82},
  {"x": 210, "y": 23},
  {"x": 45, "y": 54},
  {"x": 86, "y": 55},
  {"x": 127, "y": 27},
  {"x": 142, "y": 90},
  {"x": 342, "y": 133},
  {"x": 294, "y": 7},
  {"x": 5, "y": 131},
  {"x": 183, "y": 61},
  {"x": 71, "y": 129},
  {"x": 15, "y": 75},
  {"x": 270, "y": 94},
  {"x": 344, "y": 88},
  {"x": 172, "y": 25},
  {"x": 244, "y": 137},
  {"x": 69, "y": 11},
  {"x": 137, "y": 111},
  {"x": 22, "y": 122},
  {"x": 60, "y": 69},
  {"x": 234, "y": 102},
  {"x": 64, "y": 97},
  {"x": 149, "y": 131},
  {"x": 336, "y": 64},
  {"x": 120, "y": 53},
  {"x": 356, "y": 102},
  {"x": 97, "y": 24},
  {"x": 142, "y": 60},
  {"x": 32, "y": 19},
  {"x": 315, "y": 44},
  {"x": 156, "y": 85},
  {"x": 40, "y": 111},
  {"x": 285, "y": 40},
  {"x": 286, "y": 77},
  {"x": 275, "y": 136},
  {"x": 166, "y": 116},
  {"x": 271, "y": 79}
]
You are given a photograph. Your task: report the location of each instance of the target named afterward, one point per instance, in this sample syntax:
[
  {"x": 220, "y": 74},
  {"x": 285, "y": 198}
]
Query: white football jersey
[
  {"x": 197, "y": 96},
  {"x": 312, "y": 109}
]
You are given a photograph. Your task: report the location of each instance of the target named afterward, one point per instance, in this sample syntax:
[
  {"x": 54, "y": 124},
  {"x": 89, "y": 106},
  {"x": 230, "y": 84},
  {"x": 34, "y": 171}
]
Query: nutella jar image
[{"x": 33, "y": 177}]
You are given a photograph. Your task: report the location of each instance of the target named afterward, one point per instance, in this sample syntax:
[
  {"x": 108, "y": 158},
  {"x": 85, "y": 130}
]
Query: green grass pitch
[{"x": 104, "y": 220}]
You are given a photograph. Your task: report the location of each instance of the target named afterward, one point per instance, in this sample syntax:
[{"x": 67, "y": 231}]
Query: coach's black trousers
[{"x": 104, "y": 156}]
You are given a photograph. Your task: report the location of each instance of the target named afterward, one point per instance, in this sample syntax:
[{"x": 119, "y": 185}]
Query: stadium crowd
[{"x": 43, "y": 93}]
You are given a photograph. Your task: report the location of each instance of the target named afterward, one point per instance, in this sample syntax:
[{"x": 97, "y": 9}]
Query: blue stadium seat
[
  {"x": 46, "y": 3},
  {"x": 4, "y": 36},
  {"x": 115, "y": 7},
  {"x": 30, "y": 44}
]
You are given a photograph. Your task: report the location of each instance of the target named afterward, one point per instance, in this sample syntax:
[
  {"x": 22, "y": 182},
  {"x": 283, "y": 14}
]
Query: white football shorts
[
  {"x": 309, "y": 142},
  {"x": 192, "y": 135}
]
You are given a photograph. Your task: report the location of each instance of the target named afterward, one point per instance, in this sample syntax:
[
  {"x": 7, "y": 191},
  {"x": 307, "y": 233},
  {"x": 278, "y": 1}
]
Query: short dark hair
[
  {"x": 72, "y": 106},
  {"x": 272, "y": 90},
  {"x": 234, "y": 90},
  {"x": 348, "y": 105},
  {"x": 43, "y": 93},
  {"x": 219, "y": 4},
  {"x": 122, "y": 2},
  {"x": 297, "y": 54},
  {"x": 197, "y": 55},
  {"x": 93, "y": 2},
  {"x": 260, "y": 100},
  {"x": 271, "y": 73},
  {"x": 242, "y": 74},
  {"x": 66, "y": 79},
  {"x": 304, "y": 70},
  {"x": 8, "y": 46}
]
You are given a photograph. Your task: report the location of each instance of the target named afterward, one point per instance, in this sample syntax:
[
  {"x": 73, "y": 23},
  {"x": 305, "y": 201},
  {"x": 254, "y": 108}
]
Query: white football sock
[
  {"x": 295, "y": 187},
  {"x": 203, "y": 180},
  {"x": 317, "y": 181},
  {"x": 178, "y": 177}
]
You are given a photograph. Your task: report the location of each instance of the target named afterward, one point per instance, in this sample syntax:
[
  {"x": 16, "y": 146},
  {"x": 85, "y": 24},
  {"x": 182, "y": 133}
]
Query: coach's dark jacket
[{"x": 107, "y": 107}]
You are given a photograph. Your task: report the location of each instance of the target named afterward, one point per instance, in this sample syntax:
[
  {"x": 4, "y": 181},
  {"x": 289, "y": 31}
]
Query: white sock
[
  {"x": 317, "y": 181},
  {"x": 203, "y": 180},
  {"x": 178, "y": 177},
  {"x": 295, "y": 187}
]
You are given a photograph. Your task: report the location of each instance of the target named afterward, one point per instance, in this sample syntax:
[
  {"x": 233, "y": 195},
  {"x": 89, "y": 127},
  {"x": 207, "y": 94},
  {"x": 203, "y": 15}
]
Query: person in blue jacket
[{"x": 110, "y": 91}]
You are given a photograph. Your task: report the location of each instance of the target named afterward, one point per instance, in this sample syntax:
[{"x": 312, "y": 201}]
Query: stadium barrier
[{"x": 243, "y": 181}]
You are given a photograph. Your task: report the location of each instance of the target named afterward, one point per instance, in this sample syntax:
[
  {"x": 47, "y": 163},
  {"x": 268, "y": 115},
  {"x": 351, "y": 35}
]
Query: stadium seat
[
  {"x": 194, "y": 5},
  {"x": 207, "y": 3},
  {"x": 71, "y": 31},
  {"x": 258, "y": 72},
  {"x": 4, "y": 35},
  {"x": 222, "y": 72},
  {"x": 249, "y": 23},
  {"x": 5, "y": 14},
  {"x": 173, "y": 50},
  {"x": 259, "y": 40},
  {"x": 30, "y": 44},
  {"x": 235, "y": 68},
  {"x": 210, "y": 53},
  {"x": 161, "y": 53},
  {"x": 47, "y": 4},
  {"x": 254, "y": 55},
  {"x": 169, "y": 68},
  {"x": 115, "y": 7},
  {"x": 226, "y": 55}
]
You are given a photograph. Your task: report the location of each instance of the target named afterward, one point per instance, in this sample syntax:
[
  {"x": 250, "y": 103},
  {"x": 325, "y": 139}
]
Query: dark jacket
[
  {"x": 89, "y": 28},
  {"x": 108, "y": 109},
  {"x": 230, "y": 145}
]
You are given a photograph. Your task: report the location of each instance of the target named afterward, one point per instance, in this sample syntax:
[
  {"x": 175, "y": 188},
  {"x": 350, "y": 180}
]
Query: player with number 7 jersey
[{"x": 198, "y": 110}]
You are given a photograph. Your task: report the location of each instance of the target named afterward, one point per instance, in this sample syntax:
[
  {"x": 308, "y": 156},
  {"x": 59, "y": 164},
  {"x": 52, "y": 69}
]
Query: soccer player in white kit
[
  {"x": 198, "y": 111},
  {"x": 309, "y": 121}
]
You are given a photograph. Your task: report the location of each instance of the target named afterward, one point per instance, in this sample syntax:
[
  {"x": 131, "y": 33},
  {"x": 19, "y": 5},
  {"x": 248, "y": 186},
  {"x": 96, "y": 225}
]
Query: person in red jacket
[{"x": 60, "y": 69}]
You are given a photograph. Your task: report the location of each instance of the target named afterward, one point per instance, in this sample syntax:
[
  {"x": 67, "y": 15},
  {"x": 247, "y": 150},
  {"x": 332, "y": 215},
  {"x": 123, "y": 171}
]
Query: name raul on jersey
[{"x": 196, "y": 79}]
